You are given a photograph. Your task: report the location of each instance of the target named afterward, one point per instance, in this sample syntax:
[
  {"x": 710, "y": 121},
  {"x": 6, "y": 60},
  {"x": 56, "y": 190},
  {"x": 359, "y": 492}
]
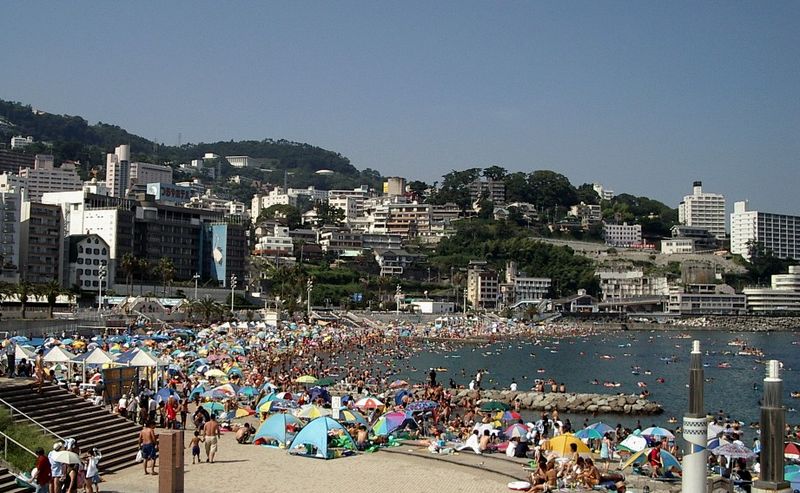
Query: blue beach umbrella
[
  {"x": 398, "y": 397},
  {"x": 165, "y": 393},
  {"x": 588, "y": 433},
  {"x": 601, "y": 427},
  {"x": 248, "y": 391}
]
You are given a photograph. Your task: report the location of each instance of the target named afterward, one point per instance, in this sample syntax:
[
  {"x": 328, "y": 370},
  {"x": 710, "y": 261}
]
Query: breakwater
[{"x": 567, "y": 402}]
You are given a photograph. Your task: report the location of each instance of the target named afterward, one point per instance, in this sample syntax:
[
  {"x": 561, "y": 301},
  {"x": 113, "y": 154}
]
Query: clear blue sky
[{"x": 643, "y": 96}]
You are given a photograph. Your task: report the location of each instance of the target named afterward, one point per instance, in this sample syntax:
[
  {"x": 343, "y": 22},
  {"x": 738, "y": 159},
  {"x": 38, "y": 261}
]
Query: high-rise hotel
[
  {"x": 779, "y": 233},
  {"x": 703, "y": 210}
]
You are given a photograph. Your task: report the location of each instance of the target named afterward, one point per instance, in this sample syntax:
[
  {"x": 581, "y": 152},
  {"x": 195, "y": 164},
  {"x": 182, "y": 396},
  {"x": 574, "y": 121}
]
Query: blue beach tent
[
  {"x": 274, "y": 429},
  {"x": 315, "y": 436}
]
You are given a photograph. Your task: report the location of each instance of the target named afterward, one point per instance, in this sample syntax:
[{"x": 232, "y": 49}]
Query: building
[
  {"x": 587, "y": 213},
  {"x": 603, "y": 193},
  {"x": 494, "y": 190},
  {"x": 483, "y": 285},
  {"x": 703, "y": 240},
  {"x": 673, "y": 246},
  {"x": 170, "y": 194},
  {"x": 394, "y": 262},
  {"x": 432, "y": 307},
  {"x": 339, "y": 241},
  {"x": 273, "y": 240},
  {"x": 41, "y": 243},
  {"x": 276, "y": 196},
  {"x": 118, "y": 171},
  {"x": 703, "y": 210},
  {"x": 247, "y": 161},
  {"x": 707, "y": 299},
  {"x": 778, "y": 233},
  {"x": 783, "y": 296},
  {"x": 225, "y": 249},
  {"x": 353, "y": 207},
  {"x": 10, "y": 234},
  {"x": 380, "y": 241},
  {"x": 628, "y": 283},
  {"x": 87, "y": 253},
  {"x": 622, "y": 235},
  {"x": 143, "y": 173},
  {"x": 13, "y": 161},
  {"x": 45, "y": 177},
  {"x": 408, "y": 220},
  {"x": 20, "y": 142},
  {"x": 522, "y": 288},
  {"x": 394, "y": 186}
]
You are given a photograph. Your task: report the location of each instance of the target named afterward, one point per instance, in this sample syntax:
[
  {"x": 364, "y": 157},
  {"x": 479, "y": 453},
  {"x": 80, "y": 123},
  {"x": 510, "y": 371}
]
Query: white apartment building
[
  {"x": 483, "y": 285},
  {"x": 714, "y": 303},
  {"x": 19, "y": 142},
  {"x": 275, "y": 242},
  {"x": 782, "y": 297},
  {"x": 275, "y": 196},
  {"x": 45, "y": 177},
  {"x": 525, "y": 288},
  {"x": 671, "y": 246},
  {"x": 143, "y": 173},
  {"x": 620, "y": 284},
  {"x": 587, "y": 213},
  {"x": 311, "y": 192},
  {"x": 87, "y": 254},
  {"x": 246, "y": 161},
  {"x": 103, "y": 223},
  {"x": 353, "y": 207},
  {"x": 601, "y": 192},
  {"x": 703, "y": 210},
  {"x": 779, "y": 233},
  {"x": 118, "y": 171},
  {"x": 622, "y": 235}
]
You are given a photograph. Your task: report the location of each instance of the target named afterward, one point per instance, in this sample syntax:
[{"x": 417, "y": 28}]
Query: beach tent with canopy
[
  {"x": 21, "y": 352},
  {"x": 277, "y": 427},
  {"x": 668, "y": 460},
  {"x": 561, "y": 445},
  {"x": 57, "y": 354},
  {"x": 315, "y": 438}
]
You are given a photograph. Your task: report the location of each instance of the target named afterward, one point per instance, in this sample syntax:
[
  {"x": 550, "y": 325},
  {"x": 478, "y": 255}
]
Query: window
[
  {"x": 80, "y": 260},
  {"x": 95, "y": 283},
  {"x": 104, "y": 251},
  {"x": 80, "y": 249},
  {"x": 80, "y": 272}
]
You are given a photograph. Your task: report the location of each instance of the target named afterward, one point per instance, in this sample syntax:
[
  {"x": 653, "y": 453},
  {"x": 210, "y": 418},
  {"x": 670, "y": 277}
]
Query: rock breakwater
[{"x": 567, "y": 402}]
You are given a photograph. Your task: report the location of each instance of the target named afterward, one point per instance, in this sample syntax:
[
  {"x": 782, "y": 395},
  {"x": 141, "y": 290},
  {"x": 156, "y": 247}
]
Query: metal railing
[
  {"x": 6, "y": 439},
  {"x": 13, "y": 410}
]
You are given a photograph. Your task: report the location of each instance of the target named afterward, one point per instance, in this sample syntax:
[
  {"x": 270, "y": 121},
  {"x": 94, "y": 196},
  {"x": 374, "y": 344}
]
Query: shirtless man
[
  {"x": 211, "y": 435},
  {"x": 362, "y": 438},
  {"x": 147, "y": 443},
  {"x": 483, "y": 444}
]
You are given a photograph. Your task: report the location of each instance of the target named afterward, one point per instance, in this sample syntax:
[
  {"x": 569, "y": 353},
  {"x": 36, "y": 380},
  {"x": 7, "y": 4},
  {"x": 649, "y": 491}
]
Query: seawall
[{"x": 568, "y": 402}]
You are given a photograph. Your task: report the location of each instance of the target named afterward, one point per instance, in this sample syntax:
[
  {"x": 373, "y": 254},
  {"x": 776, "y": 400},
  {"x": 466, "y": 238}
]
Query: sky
[{"x": 642, "y": 96}]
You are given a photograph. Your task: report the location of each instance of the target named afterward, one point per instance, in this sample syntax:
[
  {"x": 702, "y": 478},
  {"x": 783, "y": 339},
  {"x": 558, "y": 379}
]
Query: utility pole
[
  {"x": 309, "y": 288},
  {"x": 398, "y": 296},
  {"x": 103, "y": 273}
]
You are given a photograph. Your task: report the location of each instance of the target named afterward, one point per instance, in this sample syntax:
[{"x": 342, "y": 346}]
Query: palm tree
[
  {"x": 209, "y": 308},
  {"x": 51, "y": 291},
  {"x": 166, "y": 269},
  {"x": 142, "y": 264},
  {"x": 129, "y": 264},
  {"x": 24, "y": 290}
]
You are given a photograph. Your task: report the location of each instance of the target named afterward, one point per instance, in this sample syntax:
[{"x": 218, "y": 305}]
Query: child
[
  {"x": 92, "y": 482},
  {"x": 195, "y": 444}
]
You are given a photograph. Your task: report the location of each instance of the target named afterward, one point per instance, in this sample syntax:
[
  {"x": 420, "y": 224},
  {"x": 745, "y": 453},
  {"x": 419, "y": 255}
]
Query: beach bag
[{"x": 139, "y": 457}]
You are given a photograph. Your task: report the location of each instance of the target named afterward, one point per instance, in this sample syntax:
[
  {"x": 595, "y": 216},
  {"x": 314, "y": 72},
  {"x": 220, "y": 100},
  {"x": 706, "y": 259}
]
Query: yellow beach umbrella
[
  {"x": 561, "y": 445},
  {"x": 311, "y": 411},
  {"x": 306, "y": 379}
]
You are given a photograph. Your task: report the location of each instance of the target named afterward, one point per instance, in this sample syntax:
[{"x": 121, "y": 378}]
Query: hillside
[{"x": 74, "y": 138}]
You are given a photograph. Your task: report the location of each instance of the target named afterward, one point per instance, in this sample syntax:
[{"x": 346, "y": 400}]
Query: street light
[
  {"x": 309, "y": 287},
  {"x": 196, "y": 277},
  {"x": 233, "y": 286},
  {"x": 398, "y": 296},
  {"x": 102, "y": 276}
]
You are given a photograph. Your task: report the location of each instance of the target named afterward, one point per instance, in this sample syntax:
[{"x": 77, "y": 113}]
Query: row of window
[
  {"x": 90, "y": 261},
  {"x": 96, "y": 251}
]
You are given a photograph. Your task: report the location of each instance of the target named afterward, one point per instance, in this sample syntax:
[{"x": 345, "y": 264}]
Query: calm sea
[{"x": 613, "y": 357}]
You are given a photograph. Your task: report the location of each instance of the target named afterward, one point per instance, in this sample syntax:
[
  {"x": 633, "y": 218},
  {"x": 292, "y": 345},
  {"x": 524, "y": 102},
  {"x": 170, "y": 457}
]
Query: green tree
[
  {"x": 51, "y": 292},
  {"x": 495, "y": 172},
  {"x": 24, "y": 290},
  {"x": 129, "y": 264},
  {"x": 328, "y": 215},
  {"x": 283, "y": 213},
  {"x": 166, "y": 270}
]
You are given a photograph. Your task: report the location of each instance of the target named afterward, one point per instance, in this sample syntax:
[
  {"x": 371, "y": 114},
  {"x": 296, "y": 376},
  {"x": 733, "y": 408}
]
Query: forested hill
[{"x": 72, "y": 137}]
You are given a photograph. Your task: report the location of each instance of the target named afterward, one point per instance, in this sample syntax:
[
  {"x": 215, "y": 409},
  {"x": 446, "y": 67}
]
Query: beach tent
[
  {"x": 561, "y": 445},
  {"x": 632, "y": 443},
  {"x": 275, "y": 428},
  {"x": 667, "y": 459},
  {"x": 21, "y": 352},
  {"x": 315, "y": 436},
  {"x": 58, "y": 355}
]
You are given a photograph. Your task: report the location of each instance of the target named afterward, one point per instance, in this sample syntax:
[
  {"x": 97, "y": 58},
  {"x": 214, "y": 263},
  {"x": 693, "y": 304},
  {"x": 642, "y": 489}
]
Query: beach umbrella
[
  {"x": 657, "y": 431},
  {"x": 668, "y": 460},
  {"x": 226, "y": 390},
  {"x": 601, "y": 427},
  {"x": 215, "y": 373},
  {"x": 389, "y": 422},
  {"x": 397, "y": 384},
  {"x": 369, "y": 403},
  {"x": 243, "y": 412},
  {"x": 66, "y": 457},
  {"x": 517, "y": 430},
  {"x": 277, "y": 405},
  {"x": 398, "y": 397},
  {"x": 561, "y": 445},
  {"x": 418, "y": 406},
  {"x": 326, "y": 382},
  {"x": 589, "y": 433},
  {"x": 489, "y": 406},
  {"x": 319, "y": 393},
  {"x": 712, "y": 444},
  {"x": 306, "y": 379},
  {"x": 213, "y": 407},
  {"x": 633, "y": 443},
  {"x": 734, "y": 451},
  {"x": 311, "y": 411},
  {"x": 247, "y": 391},
  {"x": 510, "y": 416},
  {"x": 714, "y": 429},
  {"x": 165, "y": 393},
  {"x": 351, "y": 416},
  {"x": 792, "y": 451}
]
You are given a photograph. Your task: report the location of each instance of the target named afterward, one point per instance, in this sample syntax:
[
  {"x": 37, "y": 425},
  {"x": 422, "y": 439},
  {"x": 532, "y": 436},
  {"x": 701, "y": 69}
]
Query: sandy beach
[{"x": 250, "y": 468}]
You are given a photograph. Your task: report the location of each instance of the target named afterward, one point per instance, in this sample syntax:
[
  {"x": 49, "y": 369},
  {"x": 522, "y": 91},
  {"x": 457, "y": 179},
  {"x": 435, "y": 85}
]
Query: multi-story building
[
  {"x": 778, "y": 233},
  {"x": 523, "y": 288},
  {"x": 273, "y": 240},
  {"x": 13, "y": 161},
  {"x": 627, "y": 283},
  {"x": 143, "y": 173},
  {"x": 170, "y": 194},
  {"x": 118, "y": 171},
  {"x": 225, "y": 250},
  {"x": 381, "y": 241},
  {"x": 394, "y": 185},
  {"x": 707, "y": 299},
  {"x": 394, "y": 262},
  {"x": 409, "y": 220},
  {"x": 41, "y": 243},
  {"x": 587, "y": 213},
  {"x": 622, "y": 235},
  {"x": 45, "y": 177},
  {"x": 483, "y": 285},
  {"x": 10, "y": 208},
  {"x": 247, "y": 161},
  {"x": 601, "y": 192},
  {"x": 352, "y": 202},
  {"x": 704, "y": 241},
  {"x": 339, "y": 241},
  {"x": 20, "y": 142},
  {"x": 673, "y": 246},
  {"x": 87, "y": 254},
  {"x": 276, "y": 196},
  {"x": 783, "y": 296},
  {"x": 494, "y": 190},
  {"x": 703, "y": 210}
]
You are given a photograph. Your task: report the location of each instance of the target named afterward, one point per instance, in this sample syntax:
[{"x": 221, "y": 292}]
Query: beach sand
[{"x": 250, "y": 468}]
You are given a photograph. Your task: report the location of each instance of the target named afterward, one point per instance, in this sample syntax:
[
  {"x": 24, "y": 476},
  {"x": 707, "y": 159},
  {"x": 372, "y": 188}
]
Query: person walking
[
  {"x": 42, "y": 477},
  {"x": 11, "y": 351},
  {"x": 147, "y": 444},
  {"x": 211, "y": 435}
]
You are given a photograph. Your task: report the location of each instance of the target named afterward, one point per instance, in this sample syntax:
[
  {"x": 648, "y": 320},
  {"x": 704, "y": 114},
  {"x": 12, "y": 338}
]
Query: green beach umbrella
[{"x": 489, "y": 406}]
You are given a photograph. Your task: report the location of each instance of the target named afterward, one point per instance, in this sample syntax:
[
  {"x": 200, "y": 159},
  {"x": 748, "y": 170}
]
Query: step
[{"x": 94, "y": 427}]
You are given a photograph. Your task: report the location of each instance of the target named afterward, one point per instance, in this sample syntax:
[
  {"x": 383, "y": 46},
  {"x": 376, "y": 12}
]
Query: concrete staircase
[
  {"x": 69, "y": 416},
  {"x": 8, "y": 484}
]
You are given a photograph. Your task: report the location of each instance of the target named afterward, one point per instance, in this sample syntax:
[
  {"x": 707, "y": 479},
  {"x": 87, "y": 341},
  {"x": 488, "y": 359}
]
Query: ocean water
[{"x": 612, "y": 357}]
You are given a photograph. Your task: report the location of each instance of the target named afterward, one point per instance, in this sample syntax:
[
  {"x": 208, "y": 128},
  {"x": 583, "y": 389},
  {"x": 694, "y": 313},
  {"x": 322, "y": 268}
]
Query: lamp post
[
  {"x": 695, "y": 427},
  {"x": 233, "y": 287},
  {"x": 196, "y": 278},
  {"x": 398, "y": 296},
  {"x": 309, "y": 288},
  {"x": 102, "y": 276}
]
